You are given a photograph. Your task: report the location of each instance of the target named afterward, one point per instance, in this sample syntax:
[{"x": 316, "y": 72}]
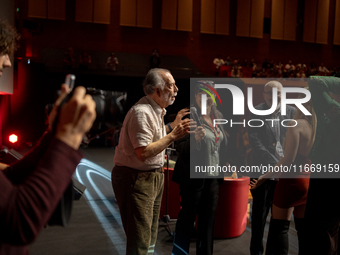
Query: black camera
[
  {"x": 110, "y": 110},
  {"x": 110, "y": 107}
]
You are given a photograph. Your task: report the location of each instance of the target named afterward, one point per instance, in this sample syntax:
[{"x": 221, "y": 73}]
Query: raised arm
[
  {"x": 20, "y": 170},
  {"x": 26, "y": 204},
  {"x": 141, "y": 134},
  {"x": 182, "y": 113},
  {"x": 26, "y": 208}
]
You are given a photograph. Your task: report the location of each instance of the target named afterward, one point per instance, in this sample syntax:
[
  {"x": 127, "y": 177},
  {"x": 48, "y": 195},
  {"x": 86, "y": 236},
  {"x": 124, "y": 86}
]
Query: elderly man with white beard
[{"x": 137, "y": 177}]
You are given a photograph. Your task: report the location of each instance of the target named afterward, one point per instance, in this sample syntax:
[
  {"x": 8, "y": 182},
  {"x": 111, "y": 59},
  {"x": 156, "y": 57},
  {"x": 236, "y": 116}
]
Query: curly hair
[{"x": 8, "y": 38}]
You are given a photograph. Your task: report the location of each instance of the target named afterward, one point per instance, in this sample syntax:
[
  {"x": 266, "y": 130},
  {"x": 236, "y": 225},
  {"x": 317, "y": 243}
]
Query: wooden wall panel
[
  {"x": 289, "y": 30},
  {"x": 128, "y": 12},
  {"x": 207, "y": 16},
  {"x": 56, "y": 9},
  {"x": 37, "y": 8},
  {"x": 169, "y": 14},
  {"x": 277, "y": 19},
  {"x": 256, "y": 20},
  {"x": 144, "y": 13},
  {"x": 337, "y": 24},
  {"x": 222, "y": 17},
  {"x": 102, "y": 11},
  {"x": 84, "y": 10},
  {"x": 322, "y": 22},
  {"x": 243, "y": 18},
  {"x": 310, "y": 21},
  {"x": 185, "y": 8}
]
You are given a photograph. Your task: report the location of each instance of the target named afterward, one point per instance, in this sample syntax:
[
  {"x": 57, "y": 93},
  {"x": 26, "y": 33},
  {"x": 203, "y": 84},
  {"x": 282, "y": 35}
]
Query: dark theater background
[{"x": 188, "y": 34}]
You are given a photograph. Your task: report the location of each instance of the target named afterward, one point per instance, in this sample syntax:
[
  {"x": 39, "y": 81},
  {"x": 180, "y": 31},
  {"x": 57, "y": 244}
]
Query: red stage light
[{"x": 13, "y": 138}]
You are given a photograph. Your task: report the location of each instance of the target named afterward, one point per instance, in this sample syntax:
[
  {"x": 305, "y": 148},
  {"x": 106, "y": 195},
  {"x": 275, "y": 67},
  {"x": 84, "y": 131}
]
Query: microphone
[{"x": 193, "y": 111}]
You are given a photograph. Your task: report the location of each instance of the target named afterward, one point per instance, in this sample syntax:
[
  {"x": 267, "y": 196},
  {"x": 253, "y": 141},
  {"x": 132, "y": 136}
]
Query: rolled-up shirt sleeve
[{"x": 140, "y": 129}]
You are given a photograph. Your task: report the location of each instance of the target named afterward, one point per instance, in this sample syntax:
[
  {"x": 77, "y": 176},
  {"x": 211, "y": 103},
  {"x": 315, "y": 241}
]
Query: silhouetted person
[
  {"x": 199, "y": 196},
  {"x": 84, "y": 61},
  {"x": 69, "y": 58},
  {"x": 112, "y": 62},
  {"x": 155, "y": 59},
  {"x": 322, "y": 216}
]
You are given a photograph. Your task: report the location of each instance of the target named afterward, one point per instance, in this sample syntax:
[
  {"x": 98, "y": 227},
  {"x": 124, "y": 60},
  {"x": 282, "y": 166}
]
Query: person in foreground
[
  {"x": 208, "y": 147},
  {"x": 137, "y": 177},
  {"x": 8, "y": 44},
  {"x": 31, "y": 188},
  {"x": 322, "y": 216},
  {"x": 290, "y": 194}
]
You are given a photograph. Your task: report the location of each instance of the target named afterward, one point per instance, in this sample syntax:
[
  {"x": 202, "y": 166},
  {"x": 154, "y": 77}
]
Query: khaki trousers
[{"x": 139, "y": 196}]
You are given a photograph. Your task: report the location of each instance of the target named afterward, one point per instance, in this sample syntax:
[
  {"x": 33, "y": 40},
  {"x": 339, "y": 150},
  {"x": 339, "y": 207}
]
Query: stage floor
[{"x": 96, "y": 228}]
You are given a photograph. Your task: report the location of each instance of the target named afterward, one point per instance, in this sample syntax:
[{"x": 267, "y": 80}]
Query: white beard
[{"x": 168, "y": 98}]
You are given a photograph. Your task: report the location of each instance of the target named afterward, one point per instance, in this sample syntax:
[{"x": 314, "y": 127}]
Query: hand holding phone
[
  {"x": 66, "y": 94},
  {"x": 69, "y": 81}
]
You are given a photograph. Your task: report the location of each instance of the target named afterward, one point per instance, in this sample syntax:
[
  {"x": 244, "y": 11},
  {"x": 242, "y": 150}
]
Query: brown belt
[{"x": 156, "y": 170}]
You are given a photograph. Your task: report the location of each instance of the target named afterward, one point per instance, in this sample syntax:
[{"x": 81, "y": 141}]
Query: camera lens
[{"x": 110, "y": 107}]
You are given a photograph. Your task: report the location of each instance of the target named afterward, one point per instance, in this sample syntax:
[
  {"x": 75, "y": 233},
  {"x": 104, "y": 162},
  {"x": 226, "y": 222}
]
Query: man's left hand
[
  {"x": 182, "y": 129},
  {"x": 180, "y": 116}
]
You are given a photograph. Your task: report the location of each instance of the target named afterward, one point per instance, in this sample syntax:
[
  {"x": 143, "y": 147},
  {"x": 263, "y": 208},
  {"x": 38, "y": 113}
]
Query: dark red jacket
[{"x": 30, "y": 191}]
